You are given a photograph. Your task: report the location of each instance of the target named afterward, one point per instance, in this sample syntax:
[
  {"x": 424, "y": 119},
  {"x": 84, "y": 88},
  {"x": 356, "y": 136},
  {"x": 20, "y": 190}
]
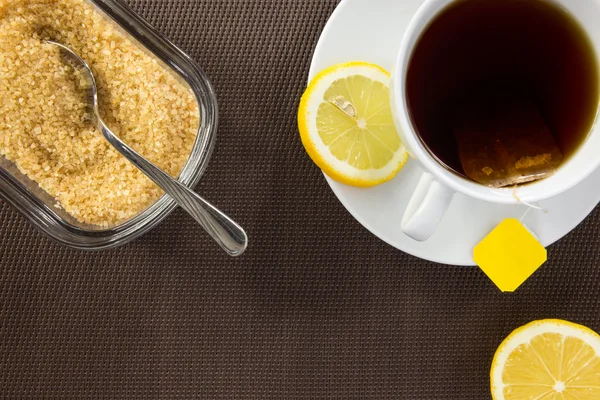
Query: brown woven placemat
[{"x": 317, "y": 308}]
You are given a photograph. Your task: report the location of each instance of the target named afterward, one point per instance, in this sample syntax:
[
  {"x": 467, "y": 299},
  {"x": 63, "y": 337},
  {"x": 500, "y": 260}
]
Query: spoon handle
[{"x": 229, "y": 235}]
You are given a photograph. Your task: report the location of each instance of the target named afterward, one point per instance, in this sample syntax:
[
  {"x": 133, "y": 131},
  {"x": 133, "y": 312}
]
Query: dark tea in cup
[{"x": 495, "y": 84}]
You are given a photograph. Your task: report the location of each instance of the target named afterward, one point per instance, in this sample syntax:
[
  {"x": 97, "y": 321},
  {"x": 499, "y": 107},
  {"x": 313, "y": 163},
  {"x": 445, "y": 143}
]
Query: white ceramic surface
[{"x": 372, "y": 30}]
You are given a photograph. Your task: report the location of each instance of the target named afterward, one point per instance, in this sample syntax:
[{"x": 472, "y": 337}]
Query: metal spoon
[{"x": 229, "y": 235}]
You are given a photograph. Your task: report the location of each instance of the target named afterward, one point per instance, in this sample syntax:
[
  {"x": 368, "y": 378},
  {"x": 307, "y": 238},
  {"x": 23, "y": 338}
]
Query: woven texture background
[{"x": 317, "y": 308}]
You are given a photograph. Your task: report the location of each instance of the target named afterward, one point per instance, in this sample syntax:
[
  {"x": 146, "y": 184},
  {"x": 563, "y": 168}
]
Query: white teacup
[{"x": 438, "y": 185}]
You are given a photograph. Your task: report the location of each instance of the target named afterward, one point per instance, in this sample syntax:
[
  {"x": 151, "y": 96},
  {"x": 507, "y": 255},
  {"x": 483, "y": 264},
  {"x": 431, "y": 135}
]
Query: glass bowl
[{"x": 35, "y": 204}]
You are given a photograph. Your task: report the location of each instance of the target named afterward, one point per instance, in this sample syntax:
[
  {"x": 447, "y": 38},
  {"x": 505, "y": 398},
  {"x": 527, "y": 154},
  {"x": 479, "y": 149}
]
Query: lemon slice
[
  {"x": 547, "y": 360},
  {"x": 346, "y": 125}
]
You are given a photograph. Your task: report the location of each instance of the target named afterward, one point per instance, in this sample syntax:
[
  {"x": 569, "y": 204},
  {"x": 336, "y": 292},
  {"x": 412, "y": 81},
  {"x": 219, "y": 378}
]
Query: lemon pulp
[{"x": 365, "y": 138}]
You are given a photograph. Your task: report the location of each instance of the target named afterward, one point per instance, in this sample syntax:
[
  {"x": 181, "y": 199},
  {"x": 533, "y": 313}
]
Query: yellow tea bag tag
[{"x": 509, "y": 254}]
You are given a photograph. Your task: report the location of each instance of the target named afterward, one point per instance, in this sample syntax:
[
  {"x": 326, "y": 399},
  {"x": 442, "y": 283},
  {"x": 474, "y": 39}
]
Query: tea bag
[{"x": 504, "y": 141}]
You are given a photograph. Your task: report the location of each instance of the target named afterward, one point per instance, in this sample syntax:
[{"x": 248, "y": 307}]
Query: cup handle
[{"x": 426, "y": 208}]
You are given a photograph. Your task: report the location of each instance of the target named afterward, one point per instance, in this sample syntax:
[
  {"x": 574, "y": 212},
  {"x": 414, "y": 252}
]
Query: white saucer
[{"x": 371, "y": 30}]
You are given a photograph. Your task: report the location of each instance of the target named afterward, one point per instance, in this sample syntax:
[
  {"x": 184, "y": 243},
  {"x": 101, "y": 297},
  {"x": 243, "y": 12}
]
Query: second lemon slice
[
  {"x": 547, "y": 360},
  {"x": 346, "y": 125}
]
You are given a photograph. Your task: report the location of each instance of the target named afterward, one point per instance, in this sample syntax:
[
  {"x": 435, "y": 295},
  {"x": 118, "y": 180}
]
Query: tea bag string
[{"x": 530, "y": 206}]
